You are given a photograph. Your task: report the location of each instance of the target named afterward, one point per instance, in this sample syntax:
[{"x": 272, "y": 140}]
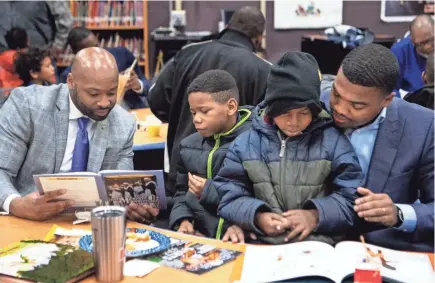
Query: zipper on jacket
[
  {"x": 282, "y": 151},
  {"x": 210, "y": 157},
  {"x": 282, "y": 164}
]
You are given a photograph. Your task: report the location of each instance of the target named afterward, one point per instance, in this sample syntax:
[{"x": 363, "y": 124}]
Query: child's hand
[
  {"x": 133, "y": 82},
  {"x": 235, "y": 233},
  {"x": 196, "y": 185},
  {"x": 301, "y": 222},
  {"x": 270, "y": 223},
  {"x": 186, "y": 227}
]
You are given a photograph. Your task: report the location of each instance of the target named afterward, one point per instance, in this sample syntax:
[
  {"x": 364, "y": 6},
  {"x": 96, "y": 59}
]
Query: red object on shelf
[{"x": 367, "y": 276}]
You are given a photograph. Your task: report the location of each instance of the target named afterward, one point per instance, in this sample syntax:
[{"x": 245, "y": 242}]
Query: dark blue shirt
[{"x": 411, "y": 64}]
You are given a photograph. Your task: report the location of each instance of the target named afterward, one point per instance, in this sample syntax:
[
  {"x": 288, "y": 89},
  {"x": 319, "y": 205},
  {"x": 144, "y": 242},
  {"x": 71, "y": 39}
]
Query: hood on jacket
[
  {"x": 7, "y": 59},
  {"x": 423, "y": 97}
]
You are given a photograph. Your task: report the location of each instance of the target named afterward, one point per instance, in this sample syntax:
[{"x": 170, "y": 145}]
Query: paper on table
[
  {"x": 139, "y": 268},
  {"x": 275, "y": 263}
]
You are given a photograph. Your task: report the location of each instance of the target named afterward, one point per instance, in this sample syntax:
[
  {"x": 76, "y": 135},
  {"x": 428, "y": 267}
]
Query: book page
[
  {"x": 396, "y": 265},
  {"x": 274, "y": 263},
  {"x": 144, "y": 187},
  {"x": 83, "y": 190}
]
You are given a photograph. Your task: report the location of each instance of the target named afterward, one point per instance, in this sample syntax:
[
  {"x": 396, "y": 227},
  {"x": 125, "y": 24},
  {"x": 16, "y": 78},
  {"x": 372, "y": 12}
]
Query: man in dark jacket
[
  {"x": 293, "y": 170},
  {"x": 424, "y": 96},
  {"x": 213, "y": 99},
  {"x": 47, "y": 22},
  {"x": 233, "y": 52}
]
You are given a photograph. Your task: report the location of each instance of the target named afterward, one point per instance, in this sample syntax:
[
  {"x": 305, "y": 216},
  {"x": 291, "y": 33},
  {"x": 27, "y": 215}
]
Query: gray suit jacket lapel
[
  {"x": 98, "y": 145},
  {"x": 385, "y": 149},
  {"x": 61, "y": 120}
]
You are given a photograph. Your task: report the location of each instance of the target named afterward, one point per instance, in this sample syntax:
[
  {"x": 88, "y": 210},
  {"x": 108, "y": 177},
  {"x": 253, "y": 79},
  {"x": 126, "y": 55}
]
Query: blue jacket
[
  {"x": 402, "y": 166},
  {"x": 411, "y": 65},
  {"x": 124, "y": 58},
  {"x": 264, "y": 171}
]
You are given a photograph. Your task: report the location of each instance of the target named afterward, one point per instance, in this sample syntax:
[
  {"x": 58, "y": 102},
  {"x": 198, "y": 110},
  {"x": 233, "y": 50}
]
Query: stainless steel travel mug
[{"x": 108, "y": 238}]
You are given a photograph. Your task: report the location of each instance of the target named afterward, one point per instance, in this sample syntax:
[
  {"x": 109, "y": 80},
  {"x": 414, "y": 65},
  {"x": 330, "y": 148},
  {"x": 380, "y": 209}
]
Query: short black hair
[
  {"x": 430, "y": 69},
  {"x": 372, "y": 65},
  {"x": 218, "y": 83},
  {"x": 248, "y": 20},
  {"x": 76, "y": 36},
  {"x": 16, "y": 38},
  {"x": 28, "y": 61}
]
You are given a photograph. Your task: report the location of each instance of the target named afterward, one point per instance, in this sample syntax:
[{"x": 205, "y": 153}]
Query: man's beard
[{"x": 84, "y": 109}]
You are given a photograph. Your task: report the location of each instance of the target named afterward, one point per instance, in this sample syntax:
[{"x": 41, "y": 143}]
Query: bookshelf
[{"x": 115, "y": 23}]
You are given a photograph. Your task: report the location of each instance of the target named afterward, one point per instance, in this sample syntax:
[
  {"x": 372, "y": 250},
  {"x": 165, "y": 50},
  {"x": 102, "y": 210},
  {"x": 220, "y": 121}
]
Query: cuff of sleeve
[
  {"x": 409, "y": 218},
  {"x": 321, "y": 204},
  {"x": 140, "y": 90},
  {"x": 204, "y": 192},
  {"x": 7, "y": 202}
]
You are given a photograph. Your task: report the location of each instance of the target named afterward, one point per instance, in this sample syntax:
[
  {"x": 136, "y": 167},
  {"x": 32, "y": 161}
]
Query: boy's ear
[
  {"x": 34, "y": 75},
  {"x": 233, "y": 106}
]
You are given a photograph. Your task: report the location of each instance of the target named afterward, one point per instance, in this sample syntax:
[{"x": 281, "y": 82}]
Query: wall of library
[{"x": 205, "y": 15}]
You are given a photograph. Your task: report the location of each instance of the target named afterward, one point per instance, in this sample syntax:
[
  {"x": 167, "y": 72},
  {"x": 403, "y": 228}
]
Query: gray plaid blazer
[{"x": 33, "y": 135}]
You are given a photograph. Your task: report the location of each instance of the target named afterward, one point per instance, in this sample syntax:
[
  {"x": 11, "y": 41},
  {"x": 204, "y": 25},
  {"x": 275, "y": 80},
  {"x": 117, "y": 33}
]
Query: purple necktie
[{"x": 81, "y": 148}]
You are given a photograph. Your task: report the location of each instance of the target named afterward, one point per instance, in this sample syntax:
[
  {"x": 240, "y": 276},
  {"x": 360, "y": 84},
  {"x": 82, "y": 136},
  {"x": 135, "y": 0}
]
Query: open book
[
  {"x": 307, "y": 259},
  {"x": 115, "y": 187}
]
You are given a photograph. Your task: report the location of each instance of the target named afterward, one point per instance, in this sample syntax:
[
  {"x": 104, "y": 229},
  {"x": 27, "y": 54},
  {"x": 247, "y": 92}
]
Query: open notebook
[{"x": 307, "y": 259}]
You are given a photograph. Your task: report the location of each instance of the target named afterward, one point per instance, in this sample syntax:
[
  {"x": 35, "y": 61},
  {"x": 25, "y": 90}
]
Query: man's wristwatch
[{"x": 399, "y": 218}]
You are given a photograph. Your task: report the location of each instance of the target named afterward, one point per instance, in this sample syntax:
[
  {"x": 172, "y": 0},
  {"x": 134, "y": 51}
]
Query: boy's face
[
  {"x": 209, "y": 116},
  {"x": 294, "y": 121},
  {"x": 46, "y": 73}
]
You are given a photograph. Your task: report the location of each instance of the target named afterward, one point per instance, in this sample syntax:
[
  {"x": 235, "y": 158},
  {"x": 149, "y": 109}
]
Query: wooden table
[
  {"x": 144, "y": 142},
  {"x": 14, "y": 229}
]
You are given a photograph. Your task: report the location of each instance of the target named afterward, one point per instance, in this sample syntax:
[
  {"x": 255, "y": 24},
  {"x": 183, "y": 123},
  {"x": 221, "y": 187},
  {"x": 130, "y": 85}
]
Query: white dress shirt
[{"x": 73, "y": 128}]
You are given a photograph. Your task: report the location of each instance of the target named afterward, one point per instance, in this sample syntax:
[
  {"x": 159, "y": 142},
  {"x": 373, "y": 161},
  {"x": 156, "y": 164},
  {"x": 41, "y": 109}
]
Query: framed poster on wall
[
  {"x": 307, "y": 14},
  {"x": 404, "y": 11}
]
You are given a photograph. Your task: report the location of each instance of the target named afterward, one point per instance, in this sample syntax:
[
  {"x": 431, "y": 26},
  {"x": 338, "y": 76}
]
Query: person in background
[
  {"x": 394, "y": 141},
  {"x": 293, "y": 171},
  {"x": 34, "y": 66},
  {"x": 213, "y": 100},
  {"x": 424, "y": 96},
  {"x": 17, "y": 41},
  {"x": 62, "y": 128},
  {"x": 233, "y": 52},
  {"x": 412, "y": 53},
  {"x": 47, "y": 22},
  {"x": 137, "y": 86}
]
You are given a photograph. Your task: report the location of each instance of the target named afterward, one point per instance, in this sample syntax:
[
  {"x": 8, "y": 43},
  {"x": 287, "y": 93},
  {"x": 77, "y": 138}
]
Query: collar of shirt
[{"x": 372, "y": 126}]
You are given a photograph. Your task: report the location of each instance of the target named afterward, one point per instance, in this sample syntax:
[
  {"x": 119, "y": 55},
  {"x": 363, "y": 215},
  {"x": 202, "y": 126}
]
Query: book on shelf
[
  {"x": 134, "y": 45},
  {"x": 107, "y": 13}
]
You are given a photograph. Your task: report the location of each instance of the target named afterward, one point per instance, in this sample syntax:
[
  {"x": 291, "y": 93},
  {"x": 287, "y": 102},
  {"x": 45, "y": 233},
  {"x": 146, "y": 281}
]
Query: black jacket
[
  {"x": 232, "y": 52},
  {"x": 423, "y": 96},
  {"x": 203, "y": 157}
]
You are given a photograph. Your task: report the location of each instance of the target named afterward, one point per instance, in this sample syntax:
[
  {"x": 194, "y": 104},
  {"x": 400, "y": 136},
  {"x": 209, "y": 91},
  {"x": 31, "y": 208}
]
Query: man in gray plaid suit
[{"x": 62, "y": 128}]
